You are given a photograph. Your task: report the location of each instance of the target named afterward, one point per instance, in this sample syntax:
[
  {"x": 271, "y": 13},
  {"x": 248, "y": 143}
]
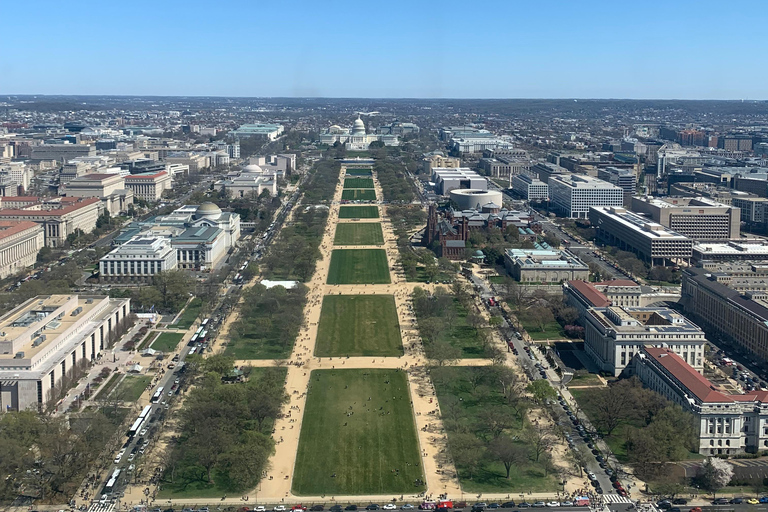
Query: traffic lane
[{"x": 592, "y": 464}]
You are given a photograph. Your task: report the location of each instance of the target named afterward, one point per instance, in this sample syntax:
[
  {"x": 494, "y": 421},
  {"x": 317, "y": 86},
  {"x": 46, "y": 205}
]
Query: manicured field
[
  {"x": 167, "y": 341},
  {"x": 358, "y": 266},
  {"x": 358, "y": 172},
  {"x": 358, "y": 183},
  {"x": 368, "y": 233},
  {"x": 358, "y": 435},
  {"x": 359, "y": 325},
  {"x": 190, "y": 314},
  {"x": 358, "y": 212},
  {"x": 131, "y": 387},
  {"x": 359, "y": 194}
]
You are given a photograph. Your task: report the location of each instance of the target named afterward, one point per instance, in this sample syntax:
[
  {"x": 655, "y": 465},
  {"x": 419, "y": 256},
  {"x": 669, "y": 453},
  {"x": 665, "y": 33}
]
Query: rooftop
[
  {"x": 638, "y": 223},
  {"x": 692, "y": 380}
]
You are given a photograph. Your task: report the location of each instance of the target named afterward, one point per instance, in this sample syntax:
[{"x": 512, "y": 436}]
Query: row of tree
[
  {"x": 451, "y": 326},
  {"x": 168, "y": 293},
  {"x": 271, "y": 317},
  {"x": 485, "y": 412},
  {"x": 394, "y": 183},
  {"x": 225, "y": 429}
]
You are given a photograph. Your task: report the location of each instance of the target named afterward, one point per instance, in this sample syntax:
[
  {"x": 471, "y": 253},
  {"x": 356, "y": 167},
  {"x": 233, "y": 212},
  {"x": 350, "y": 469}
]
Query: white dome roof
[
  {"x": 208, "y": 211},
  {"x": 252, "y": 168},
  {"x": 359, "y": 127}
]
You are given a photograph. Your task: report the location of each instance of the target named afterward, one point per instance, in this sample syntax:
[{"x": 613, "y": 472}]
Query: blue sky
[{"x": 483, "y": 49}]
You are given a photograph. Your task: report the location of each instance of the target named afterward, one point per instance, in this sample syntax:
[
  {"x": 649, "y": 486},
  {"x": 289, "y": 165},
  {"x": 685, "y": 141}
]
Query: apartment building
[
  {"x": 572, "y": 195},
  {"x": 698, "y": 218},
  {"x": 613, "y": 335},
  {"x": 628, "y": 231}
]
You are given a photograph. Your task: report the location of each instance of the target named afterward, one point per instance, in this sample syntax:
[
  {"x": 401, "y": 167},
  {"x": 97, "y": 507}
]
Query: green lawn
[
  {"x": 459, "y": 334},
  {"x": 132, "y": 386},
  {"x": 359, "y": 325},
  {"x": 552, "y": 330},
  {"x": 359, "y": 194},
  {"x": 467, "y": 393},
  {"x": 167, "y": 341},
  {"x": 358, "y": 266},
  {"x": 190, "y": 314},
  {"x": 358, "y": 183},
  {"x": 358, "y": 435},
  {"x": 368, "y": 233},
  {"x": 358, "y": 212},
  {"x": 358, "y": 172}
]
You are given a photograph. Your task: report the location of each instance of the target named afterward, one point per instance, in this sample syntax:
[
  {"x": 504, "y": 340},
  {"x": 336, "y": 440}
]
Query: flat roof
[
  {"x": 52, "y": 330},
  {"x": 638, "y": 223}
]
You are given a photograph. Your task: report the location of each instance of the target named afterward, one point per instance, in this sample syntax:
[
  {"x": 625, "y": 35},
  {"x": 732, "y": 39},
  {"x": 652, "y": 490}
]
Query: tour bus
[{"x": 158, "y": 394}]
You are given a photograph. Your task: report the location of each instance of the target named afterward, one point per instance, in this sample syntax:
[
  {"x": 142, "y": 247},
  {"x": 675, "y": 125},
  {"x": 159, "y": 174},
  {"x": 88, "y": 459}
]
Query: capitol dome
[
  {"x": 359, "y": 127},
  {"x": 252, "y": 168},
  {"x": 208, "y": 211}
]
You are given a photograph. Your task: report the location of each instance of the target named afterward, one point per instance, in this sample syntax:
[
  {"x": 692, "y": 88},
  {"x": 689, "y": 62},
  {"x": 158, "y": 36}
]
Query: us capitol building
[{"x": 355, "y": 138}]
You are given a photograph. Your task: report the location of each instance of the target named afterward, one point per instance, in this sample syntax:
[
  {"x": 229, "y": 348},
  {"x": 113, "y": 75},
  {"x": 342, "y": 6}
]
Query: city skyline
[{"x": 401, "y": 50}]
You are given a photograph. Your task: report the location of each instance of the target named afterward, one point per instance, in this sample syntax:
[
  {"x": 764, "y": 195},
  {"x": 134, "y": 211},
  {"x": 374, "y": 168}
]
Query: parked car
[
  {"x": 539, "y": 504},
  {"x": 720, "y": 501},
  {"x": 372, "y": 506},
  {"x": 389, "y": 506},
  {"x": 407, "y": 506},
  {"x": 508, "y": 504},
  {"x": 680, "y": 501},
  {"x": 351, "y": 507}
]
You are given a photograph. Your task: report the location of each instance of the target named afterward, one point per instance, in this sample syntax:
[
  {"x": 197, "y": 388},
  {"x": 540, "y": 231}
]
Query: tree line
[
  {"x": 394, "y": 183},
  {"x": 451, "y": 327},
  {"x": 270, "y": 316}
]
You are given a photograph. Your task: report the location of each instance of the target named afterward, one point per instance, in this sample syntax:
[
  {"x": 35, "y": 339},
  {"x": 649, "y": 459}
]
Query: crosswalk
[
  {"x": 615, "y": 498},
  {"x": 101, "y": 507}
]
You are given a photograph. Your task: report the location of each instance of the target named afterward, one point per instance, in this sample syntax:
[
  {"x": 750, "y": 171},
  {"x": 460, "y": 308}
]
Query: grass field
[
  {"x": 456, "y": 389},
  {"x": 358, "y": 212},
  {"x": 358, "y": 325},
  {"x": 358, "y": 172},
  {"x": 190, "y": 314},
  {"x": 167, "y": 341},
  {"x": 367, "y": 233},
  {"x": 132, "y": 386},
  {"x": 552, "y": 330},
  {"x": 358, "y": 435},
  {"x": 359, "y": 194},
  {"x": 358, "y": 183},
  {"x": 358, "y": 266}
]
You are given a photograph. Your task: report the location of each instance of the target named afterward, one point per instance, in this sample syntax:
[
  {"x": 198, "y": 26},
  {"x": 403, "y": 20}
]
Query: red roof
[
  {"x": 68, "y": 204},
  {"x": 590, "y": 293},
  {"x": 618, "y": 282},
  {"x": 11, "y": 227},
  {"x": 695, "y": 382}
]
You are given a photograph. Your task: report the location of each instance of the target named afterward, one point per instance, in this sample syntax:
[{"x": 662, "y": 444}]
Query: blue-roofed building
[
  {"x": 201, "y": 235},
  {"x": 269, "y": 130},
  {"x": 544, "y": 265}
]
